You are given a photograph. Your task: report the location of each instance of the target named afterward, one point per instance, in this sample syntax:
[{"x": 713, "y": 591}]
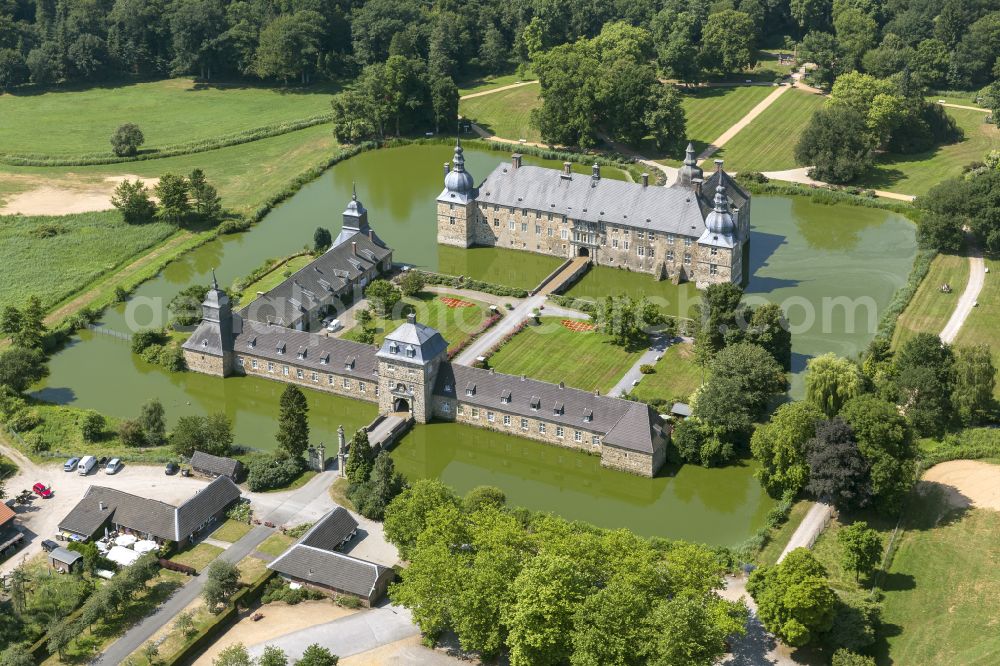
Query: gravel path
[
  {"x": 496, "y": 90},
  {"x": 505, "y": 326},
  {"x": 657, "y": 346},
  {"x": 801, "y": 175},
  {"x": 969, "y": 297},
  {"x": 809, "y": 529}
]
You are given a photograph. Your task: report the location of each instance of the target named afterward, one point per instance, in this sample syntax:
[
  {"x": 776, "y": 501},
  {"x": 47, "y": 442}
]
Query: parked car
[
  {"x": 170, "y": 469},
  {"x": 87, "y": 465},
  {"x": 48, "y": 545},
  {"x": 71, "y": 464},
  {"x": 113, "y": 466},
  {"x": 42, "y": 490},
  {"x": 334, "y": 325}
]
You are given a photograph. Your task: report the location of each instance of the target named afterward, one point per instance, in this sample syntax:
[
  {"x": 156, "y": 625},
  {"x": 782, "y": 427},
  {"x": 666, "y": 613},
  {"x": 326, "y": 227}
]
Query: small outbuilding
[
  {"x": 211, "y": 466},
  {"x": 680, "y": 410},
  {"x": 64, "y": 560},
  {"x": 11, "y": 537}
]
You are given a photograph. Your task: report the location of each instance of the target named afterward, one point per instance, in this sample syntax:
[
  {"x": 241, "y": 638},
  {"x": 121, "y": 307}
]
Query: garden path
[
  {"x": 496, "y": 90},
  {"x": 658, "y": 345},
  {"x": 801, "y": 175},
  {"x": 741, "y": 123}
]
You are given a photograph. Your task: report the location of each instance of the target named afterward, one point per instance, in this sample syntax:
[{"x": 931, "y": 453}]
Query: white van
[{"x": 87, "y": 463}]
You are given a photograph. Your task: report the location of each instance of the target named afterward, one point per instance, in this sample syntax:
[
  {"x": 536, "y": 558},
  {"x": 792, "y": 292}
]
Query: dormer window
[
  {"x": 302, "y": 353},
  {"x": 204, "y": 343},
  {"x": 393, "y": 348},
  {"x": 536, "y": 403},
  {"x": 410, "y": 352},
  {"x": 505, "y": 397},
  {"x": 252, "y": 343},
  {"x": 325, "y": 358},
  {"x": 349, "y": 364},
  {"x": 588, "y": 416},
  {"x": 280, "y": 348},
  {"x": 558, "y": 409},
  {"x": 470, "y": 389}
]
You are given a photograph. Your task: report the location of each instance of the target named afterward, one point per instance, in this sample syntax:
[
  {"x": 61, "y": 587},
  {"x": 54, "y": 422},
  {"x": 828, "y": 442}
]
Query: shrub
[
  {"x": 142, "y": 340},
  {"x": 270, "y": 472},
  {"x": 278, "y": 590},
  {"x": 299, "y": 530},
  {"x": 131, "y": 434},
  {"x": 348, "y": 601},
  {"x": 126, "y": 140},
  {"x": 647, "y": 369},
  {"x": 92, "y": 426},
  {"x": 240, "y": 512}
]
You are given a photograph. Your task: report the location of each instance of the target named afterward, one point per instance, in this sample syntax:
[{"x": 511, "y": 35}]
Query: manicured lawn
[
  {"x": 711, "y": 111},
  {"x": 768, "y": 143},
  {"x": 930, "y": 309},
  {"x": 918, "y": 173},
  {"x": 957, "y": 97},
  {"x": 780, "y": 537},
  {"x": 547, "y": 352},
  {"x": 505, "y": 113},
  {"x": 767, "y": 62},
  {"x": 676, "y": 377},
  {"x": 231, "y": 531},
  {"x": 275, "y": 544},
  {"x": 983, "y": 324},
  {"x": 279, "y": 274},
  {"x": 455, "y": 324},
  {"x": 169, "y": 112},
  {"x": 199, "y": 556},
  {"x": 601, "y": 281},
  {"x": 36, "y": 261},
  {"x": 490, "y": 82},
  {"x": 942, "y": 593}
]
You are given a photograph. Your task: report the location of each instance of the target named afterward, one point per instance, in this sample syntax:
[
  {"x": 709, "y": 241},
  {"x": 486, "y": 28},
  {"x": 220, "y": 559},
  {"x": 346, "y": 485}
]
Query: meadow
[
  {"x": 169, "y": 112},
  {"x": 454, "y": 324},
  {"x": 490, "y": 82},
  {"x": 506, "y": 113},
  {"x": 540, "y": 352}
]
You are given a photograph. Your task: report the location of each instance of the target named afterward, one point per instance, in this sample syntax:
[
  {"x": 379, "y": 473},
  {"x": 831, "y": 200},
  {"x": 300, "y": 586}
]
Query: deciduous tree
[
  {"x": 126, "y": 140},
  {"x": 794, "y": 599},
  {"x": 838, "y": 473},
  {"x": 151, "y": 418},
  {"x": 223, "y": 581},
  {"x": 780, "y": 447},
  {"x": 860, "y": 548},
  {"x": 383, "y": 295},
  {"x": 360, "y": 459},
  {"x": 831, "y": 381},
  {"x": 407, "y": 515},
  {"x": 172, "y": 191},
  {"x": 132, "y": 199},
  {"x": 886, "y": 443},
  {"x": 975, "y": 378}
]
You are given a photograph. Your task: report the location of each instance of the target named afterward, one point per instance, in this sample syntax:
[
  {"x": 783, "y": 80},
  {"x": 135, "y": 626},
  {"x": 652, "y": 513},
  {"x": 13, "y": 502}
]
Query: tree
[
  {"x": 383, "y": 295},
  {"x": 130, "y": 433},
  {"x": 204, "y": 197},
  {"x": 482, "y": 496},
  {"x": 794, "y": 599},
  {"x": 92, "y": 426},
  {"x": 186, "y": 625},
  {"x": 322, "y": 239},
  {"x": 728, "y": 42},
  {"x": 360, "y": 459},
  {"x": 609, "y": 627},
  {"x": 665, "y": 120},
  {"x": 838, "y": 473},
  {"x": 273, "y": 656},
  {"x": 686, "y": 631},
  {"x": 729, "y": 415},
  {"x": 844, "y": 657},
  {"x": 20, "y": 368},
  {"x": 856, "y": 33},
  {"x": 222, "y": 583},
  {"x": 172, "y": 192},
  {"x": 923, "y": 383},
  {"x": 975, "y": 378},
  {"x": 26, "y": 326},
  {"x": 831, "y": 381},
  {"x": 412, "y": 283},
  {"x": 317, "y": 655},
  {"x": 151, "y": 418},
  {"x": 568, "y": 75},
  {"x": 132, "y": 199},
  {"x": 674, "y": 34},
  {"x": 837, "y": 144},
  {"x": 384, "y": 483},
  {"x": 290, "y": 46},
  {"x": 234, "y": 655},
  {"x": 150, "y": 652},
  {"x": 780, "y": 447},
  {"x": 723, "y": 319},
  {"x": 13, "y": 71},
  {"x": 126, "y": 140},
  {"x": 18, "y": 654},
  {"x": 886, "y": 443},
  {"x": 211, "y": 434},
  {"x": 444, "y": 101},
  {"x": 860, "y": 548},
  {"x": 769, "y": 329},
  {"x": 754, "y": 370},
  {"x": 407, "y": 515},
  {"x": 293, "y": 422}
]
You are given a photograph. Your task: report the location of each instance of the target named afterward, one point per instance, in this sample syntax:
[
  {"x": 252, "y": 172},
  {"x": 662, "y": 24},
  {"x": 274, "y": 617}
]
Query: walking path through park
[
  {"x": 962, "y": 106},
  {"x": 977, "y": 276},
  {"x": 741, "y": 123},
  {"x": 801, "y": 175},
  {"x": 496, "y": 90},
  {"x": 809, "y": 529}
]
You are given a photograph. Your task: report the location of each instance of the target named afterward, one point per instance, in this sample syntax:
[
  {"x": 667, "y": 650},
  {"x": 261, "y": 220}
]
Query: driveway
[
  {"x": 491, "y": 338},
  {"x": 809, "y": 529}
]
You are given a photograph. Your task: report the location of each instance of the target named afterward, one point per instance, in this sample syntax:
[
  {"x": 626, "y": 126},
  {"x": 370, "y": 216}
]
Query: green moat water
[{"x": 801, "y": 251}]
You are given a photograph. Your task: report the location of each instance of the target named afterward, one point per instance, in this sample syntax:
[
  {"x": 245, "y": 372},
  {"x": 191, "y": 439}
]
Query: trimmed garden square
[
  {"x": 454, "y": 323},
  {"x": 676, "y": 376},
  {"x": 231, "y": 531}
]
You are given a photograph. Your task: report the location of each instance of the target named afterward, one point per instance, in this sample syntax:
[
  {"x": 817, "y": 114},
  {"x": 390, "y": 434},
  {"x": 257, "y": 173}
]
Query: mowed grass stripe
[
  {"x": 930, "y": 309},
  {"x": 768, "y": 142},
  {"x": 506, "y": 113},
  {"x": 169, "y": 112},
  {"x": 542, "y": 352}
]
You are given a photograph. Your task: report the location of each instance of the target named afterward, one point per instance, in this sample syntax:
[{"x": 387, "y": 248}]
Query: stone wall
[
  {"x": 633, "y": 462},
  {"x": 330, "y": 380},
  {"x": 417, "y": 382},
  {"x": 452, "y": 223},
  {"x": 205, "y": 363}
]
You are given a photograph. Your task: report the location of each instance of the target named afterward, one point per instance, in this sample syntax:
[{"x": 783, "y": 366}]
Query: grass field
[
  {"x": 489, "y": 82},
  {"x": 602, "y": 281},
  {"x": 676, "y": 377},
  {"x": 171, "y": 111},
  {"x": 275, "y": 544},
  {"x": 917, "y": 173},
  {"x": 768, "y": 143},
  {"x": 198, "y": 556},
  {"x": 541, "y": 351},
  {"x": 506, "y": 113},
  {"x": 52, "y": 257},
  {"x": 231, "y": 531},
  {"x": 983, "y": 324},
  {"x": 511, "y": 268},
  {"x": 455, "y": 324},
  {"x": 930, "y": 309}
]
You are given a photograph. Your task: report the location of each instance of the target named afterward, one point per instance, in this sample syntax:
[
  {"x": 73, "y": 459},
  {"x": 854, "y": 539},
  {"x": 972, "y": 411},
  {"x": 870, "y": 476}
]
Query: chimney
[
  {"x": 515, "y": 159},
  {"x": 645, "y": 180},
  {"x": 697, "y": 184},
  {"x": 100, "y": 506},
  {"x": 371, "y": 235},
  {"x": 354, "y": 248},
  {"x": 562, "y": 385},
  {"x": 447, "y": 168},
  {"x": 567, "y": 168},
  {"x": 595, "y": 171},
  {"x": 411, "y": 318}
]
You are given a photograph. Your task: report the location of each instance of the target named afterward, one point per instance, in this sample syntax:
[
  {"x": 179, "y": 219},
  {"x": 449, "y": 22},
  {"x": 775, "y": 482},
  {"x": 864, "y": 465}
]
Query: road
[
  {"x": 809, "y": 529},
  {"x": 969, "y": 297}
]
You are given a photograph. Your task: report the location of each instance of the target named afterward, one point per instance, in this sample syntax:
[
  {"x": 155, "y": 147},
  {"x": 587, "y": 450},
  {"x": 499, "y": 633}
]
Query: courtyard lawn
[
  {"x": 983, "y": 323},
  {"x": 33, "y": 252},
  {"x": 918, "y": 173},
  {"x": 711, "y": 111},
  {"x": 198, "y": 556},
  {"x": 768, "y": 142},
  {"x": 676, "y": 377},
  {"x": 930, "y": 309},
  {"x": 281, "y": 272},
  {"x": 505, "y": 113},
  {"x": 541, "y": 352},
  {"x": 779, "y": 538},
  {"x": 455, "y": 324},
  {"x": 501, "y": 266},
  {"x": 169, "y": 112},
  {"x": 601, "y": 281},
  {"x": 275, "y": 544},
  {"x": 231, "y": 531}
]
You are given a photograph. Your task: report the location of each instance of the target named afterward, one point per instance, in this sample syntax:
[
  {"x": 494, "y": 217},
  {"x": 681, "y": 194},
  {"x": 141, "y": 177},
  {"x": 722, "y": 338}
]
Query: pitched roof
[
  {"x": 218, "y": 465},
  {"x": 665, "y": 209},
  {"x": 331, "y": 569},
  {"x": 412, "y": 342},
  {"x": 6, "y": 514},
  {"x": 65, "y": 555},
  {"x": 307, "y": 350},
  {"x": 331, "y": 530},
  {"x": 550, "y": 402},
  {"x": 208, "y": 501}
]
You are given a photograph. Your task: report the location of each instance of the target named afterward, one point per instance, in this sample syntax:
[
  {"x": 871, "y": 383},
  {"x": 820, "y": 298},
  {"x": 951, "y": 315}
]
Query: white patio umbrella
[
  {"x": 145, "y": 546},
  {"x": 125, "y": 540},
  {"x": 122, "y": 556}
]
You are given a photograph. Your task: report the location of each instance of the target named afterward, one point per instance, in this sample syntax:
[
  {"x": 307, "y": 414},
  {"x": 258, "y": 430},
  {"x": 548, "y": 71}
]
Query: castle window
[
  {"x": 393, "y": 348},
  {"x": 538, "y": 229},
  {"x": 298, "y": 373},
  {"x": 687, "y": 258},
  {"x": 451, "y": 206},
  {"x": 329, "y": 379},
  {"x": 641, "y": 251},
  {"x": 550, "y": 217},
  {"x": 651, "y": 251},
  {"x": 410, "y": 352},
  {"x": 280, "y": 348},
  {"x": 491, "y": 417},
  {"x": 475, "y": 412},
  {"x": 625, "y": 245},
  {"x": 461, "y": 410},
  {"x": 270, "y": 366},
  {"x": 284, "y": 370},
  {"x": 614, "y": 243},
  {"x": 253, "y": 363},
  {"x": 564, "y": 219},
  {"x": 347, "y": 383},
  {"x": 506, "y": 420},
  {"x": 558, "y": 409},
  {"x": 559, "y": 432},
  {"x": 670, "y": 255},
  {"x": 541, "y": 428},
  {"x": 451, "y": 220},
  {"x": 524, "y": 227},
  {"x": 510, "y": 224},
  {"x": 252, "y": 343},
  {"x": 496, "y": 221},
  {"x": 640, "y": 234},
  {"x": 315, "y": 377},
  {"x": 524, "y": 424},
  {"x": 446, "y": 408},
  {"x": 713, "y": 269},
  {"x": 239, "y": 359},
  {"x": 550, "y": 233},
  {"x": 687, "y": 242},
  {"x": 535, "y": 403},
  {"x": 714, "y": 251},
  {"x": 577, "y": 436},
  {"x": 595, "y": 440},
  {"x": 564, "y": 234},
  {"x": 302, "y": 353},
  {"x": 362, "y": 387},
  {"x": 670, "y": 239}
]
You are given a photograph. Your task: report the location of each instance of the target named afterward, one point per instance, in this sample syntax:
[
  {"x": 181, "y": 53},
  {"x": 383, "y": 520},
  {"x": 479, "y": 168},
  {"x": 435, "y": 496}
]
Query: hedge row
[
  {"x": 214, "y": 143},
  {"x": 970, "y": 444},
  {"x": 748, "y": 549},
  {"x": 461, "y": 282}
]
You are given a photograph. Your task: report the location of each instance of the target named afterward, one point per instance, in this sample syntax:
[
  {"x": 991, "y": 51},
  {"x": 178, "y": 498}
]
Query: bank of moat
[
  {"x": 696, "y": 230},
  {"x": 410, "y": 372}
]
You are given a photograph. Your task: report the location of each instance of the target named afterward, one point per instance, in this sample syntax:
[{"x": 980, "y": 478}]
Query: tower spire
[
  {"x": 354, "y": 191},
  {"x": 689, "y": 158},
  {"x": 215, "y": 283}
]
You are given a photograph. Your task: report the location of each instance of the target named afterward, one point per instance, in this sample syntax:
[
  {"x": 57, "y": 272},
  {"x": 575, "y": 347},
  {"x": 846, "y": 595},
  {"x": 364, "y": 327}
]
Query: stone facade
[
  {"x": 205, "y": 363},
  {"x": 634, "y": 462},
  {"x": 331, "y": 380}
]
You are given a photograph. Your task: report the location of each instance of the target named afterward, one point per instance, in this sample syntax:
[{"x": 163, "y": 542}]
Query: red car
[{"x": 42, "y": 490}]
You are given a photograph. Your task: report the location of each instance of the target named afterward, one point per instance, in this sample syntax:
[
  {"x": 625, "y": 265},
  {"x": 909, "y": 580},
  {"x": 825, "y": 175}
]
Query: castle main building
[{"x": 696, "y": 230}]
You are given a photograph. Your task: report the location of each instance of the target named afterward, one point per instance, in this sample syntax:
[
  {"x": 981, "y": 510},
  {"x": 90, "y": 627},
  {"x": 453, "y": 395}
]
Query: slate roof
[
  {"x": 307, "y": 350},
  {"x": 218, "y": 465},
  {"x": 412, "y": 342},
  {"x": 320, "y": 283},
  {"x": 331, "y": 530},
  {"x": 674, "y": 210},
  {"x": 330, "y": 569},
  {"x": 65, "y": 556},
  {"x": 629, "y": 425},
  {"x": 162, "y": 520}
]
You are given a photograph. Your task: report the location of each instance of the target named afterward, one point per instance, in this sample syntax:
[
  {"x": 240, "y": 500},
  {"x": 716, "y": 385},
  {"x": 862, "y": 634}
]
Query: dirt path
[
  {"x": 962, "y": 106},
  {"x": 809, "y": 529},
  {"x": 741, "y": 123},
  {"x": 67, "y": 196},
  {"x": 969, "y": 482},
  {"x": 496, "y": 90},
  {"x": 969, "y": 297},
  {"x": 801, "y": 175}
]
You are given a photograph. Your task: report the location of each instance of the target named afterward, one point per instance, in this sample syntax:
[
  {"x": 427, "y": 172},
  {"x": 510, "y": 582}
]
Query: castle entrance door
[
  {"x": 583, "y": 251},
  {"x": 401, "y": 405}
]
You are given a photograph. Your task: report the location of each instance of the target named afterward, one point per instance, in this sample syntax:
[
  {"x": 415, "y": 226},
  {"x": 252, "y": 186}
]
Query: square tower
[{"x": 408, "y": 364}]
